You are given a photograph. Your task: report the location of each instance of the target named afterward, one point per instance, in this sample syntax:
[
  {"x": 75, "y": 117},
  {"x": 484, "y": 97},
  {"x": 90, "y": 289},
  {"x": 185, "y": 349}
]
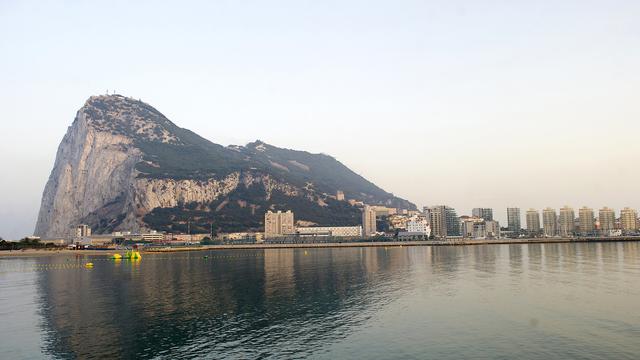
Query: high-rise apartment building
[
  {"x": 483, "y": 213},
  {"x": 607, "y": 219},
  {"x": 453, "y": 222},
  {"x": 444, "y": 221},
  {"x": 513, "y": 220},
  {"x": 587, "y": 222},
  {"x": 549, "y": 222},
  {"x": 533, "y": 222},
  {"x": 278, "y": 224},
  {"x": 566, "y": 221},
  {"x": 629, "y": 220},
  {"x": 369, "y": 220},
  {"x": 82, "y": 230},
  {"x": 438, "y": 220}
]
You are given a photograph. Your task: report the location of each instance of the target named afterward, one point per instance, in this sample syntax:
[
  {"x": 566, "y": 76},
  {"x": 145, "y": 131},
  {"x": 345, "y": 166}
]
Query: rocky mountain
[{"x": 122, "y": 165}]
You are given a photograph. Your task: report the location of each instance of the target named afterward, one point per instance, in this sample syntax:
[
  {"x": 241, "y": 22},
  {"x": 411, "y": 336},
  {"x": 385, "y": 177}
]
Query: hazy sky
[{"x": 466, "y": 103}]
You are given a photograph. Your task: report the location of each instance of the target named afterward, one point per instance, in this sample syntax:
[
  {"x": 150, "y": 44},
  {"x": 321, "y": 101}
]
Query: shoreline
[
  {"x": 396, "y": 244},
  {"x": 43, "y": 252}
]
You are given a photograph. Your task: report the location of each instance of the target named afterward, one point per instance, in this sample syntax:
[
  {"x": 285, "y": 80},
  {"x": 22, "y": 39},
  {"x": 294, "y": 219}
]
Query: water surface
[{"x": 536, "y": 301}]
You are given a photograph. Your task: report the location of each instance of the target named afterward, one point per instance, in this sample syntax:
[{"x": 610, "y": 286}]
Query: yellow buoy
[
  {"x": 133, "y": 255},
  {"x": 88, "y": 265},
  {"x": 116, "y": 256}
]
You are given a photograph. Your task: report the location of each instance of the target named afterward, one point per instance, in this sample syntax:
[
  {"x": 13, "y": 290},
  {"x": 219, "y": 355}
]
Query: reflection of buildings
[{"x": 278, "y": 272}]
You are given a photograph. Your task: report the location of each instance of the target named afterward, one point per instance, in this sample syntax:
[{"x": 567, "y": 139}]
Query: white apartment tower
[
  {"x": 607, "y": 219},
  {"x": 629, "y": 220},
  {"x": 278, "y": 224},
  {"x": 587, "y": 221},
  {"x": 566, "y": 221},
  {"x": 550, "y": 222},
  {"x": 533, "y": 222}
]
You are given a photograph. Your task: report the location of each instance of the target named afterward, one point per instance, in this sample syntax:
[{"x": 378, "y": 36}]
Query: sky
[{"x": 465, "y": 103}]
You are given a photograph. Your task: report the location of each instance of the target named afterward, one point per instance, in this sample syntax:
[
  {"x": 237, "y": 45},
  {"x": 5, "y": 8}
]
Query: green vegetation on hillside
[{"x": 244, "y": 210}]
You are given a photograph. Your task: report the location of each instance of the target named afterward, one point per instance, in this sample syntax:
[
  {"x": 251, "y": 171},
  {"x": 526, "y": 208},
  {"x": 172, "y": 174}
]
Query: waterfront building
[
  {"x": 607, "y": 219},
  {"x": 176, "y": 238},
  {"x": 513, "y": 220},
  {"x": 153, "y": 236},
  {"x": 492, "y": 229},
  {"x": 340, "y": 195},
  {"x": 368, "y": 221},
  {"x": 241, "y": 237},
  {"x": 533, "y": 222},
  {"x": 483, "y": 213},
  {"x": 418, "y": 225},
  {"x": 629, "y": 220},
  {"x": 333, "y": 231},
  {"x": 479, "y": 230},
  {"x": 587, "y": 222},
  {"x": 277, "y": 224},
  {"x": 444, "y": 221},
  {"x": 452, "y": 222},
  {"x": 397, "y": 222},
  {"x": 82, "y": 231},
  {"x": 549, "y": 222},
  {"x": 566, "y": 221},
  {"x": 467, "y": 226}
]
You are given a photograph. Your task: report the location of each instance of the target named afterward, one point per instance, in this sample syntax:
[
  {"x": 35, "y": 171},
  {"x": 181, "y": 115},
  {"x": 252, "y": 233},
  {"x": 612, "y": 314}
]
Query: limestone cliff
[{"x": 122, "y": 165}]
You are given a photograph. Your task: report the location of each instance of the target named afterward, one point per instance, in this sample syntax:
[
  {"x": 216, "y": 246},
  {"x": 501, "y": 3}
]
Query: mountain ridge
[{"x": 122, "y": 165}]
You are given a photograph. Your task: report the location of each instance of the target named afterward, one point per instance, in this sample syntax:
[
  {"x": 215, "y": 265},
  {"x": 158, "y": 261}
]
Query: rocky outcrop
[
  {"x": 122, "y": 160},
  {"x": 92, "y": 169}
]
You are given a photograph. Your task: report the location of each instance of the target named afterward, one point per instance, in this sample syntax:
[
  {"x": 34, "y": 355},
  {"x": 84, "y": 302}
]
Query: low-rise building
[
  {"x": 153, "y": 236},
  {"x": 249, "y": 237},
  {"x": 333, "y": 231}
]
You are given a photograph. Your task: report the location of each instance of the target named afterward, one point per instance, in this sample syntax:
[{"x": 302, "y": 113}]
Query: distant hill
[{"x": 124, "y": 166}]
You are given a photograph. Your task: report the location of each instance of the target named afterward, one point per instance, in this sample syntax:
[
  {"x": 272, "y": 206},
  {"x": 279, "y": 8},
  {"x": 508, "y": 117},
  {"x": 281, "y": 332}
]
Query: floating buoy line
[{"x": 88, "y": 262}]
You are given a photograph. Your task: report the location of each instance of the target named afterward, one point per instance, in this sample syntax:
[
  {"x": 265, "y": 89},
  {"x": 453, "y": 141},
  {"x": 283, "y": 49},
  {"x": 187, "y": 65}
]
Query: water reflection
[{"x": 335, "y": 303}]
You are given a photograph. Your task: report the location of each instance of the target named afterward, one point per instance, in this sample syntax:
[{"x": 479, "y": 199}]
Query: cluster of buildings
[
  {"x": 565, "y": 223},
  {"x": 81, "y": 235},
  {"x": 441, "y": 221},
  {"x": 282, "y": 224},
  {"x": 433, "y": 222}
]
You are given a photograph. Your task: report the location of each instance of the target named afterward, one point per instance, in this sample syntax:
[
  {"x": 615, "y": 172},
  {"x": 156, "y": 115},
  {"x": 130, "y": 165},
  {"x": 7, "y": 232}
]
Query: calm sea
[{"x": 538, "y": 301}]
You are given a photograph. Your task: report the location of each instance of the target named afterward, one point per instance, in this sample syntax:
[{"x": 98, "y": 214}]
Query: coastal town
[{"x": 380, "y": 223}]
